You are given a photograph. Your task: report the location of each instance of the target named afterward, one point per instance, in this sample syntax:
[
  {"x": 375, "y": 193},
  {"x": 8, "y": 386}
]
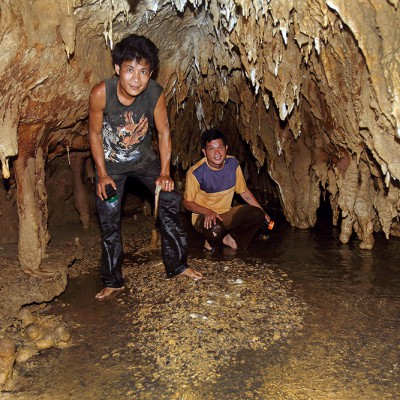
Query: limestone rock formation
[
  {"x": 312, "y": 87},
  {"x": 7, "y": 359}
]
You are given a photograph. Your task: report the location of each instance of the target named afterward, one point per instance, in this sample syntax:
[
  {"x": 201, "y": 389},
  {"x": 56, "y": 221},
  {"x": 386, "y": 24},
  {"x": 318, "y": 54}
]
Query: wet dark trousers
[
  {"x": 173, "y": 237},
  {"x": 241, "y": 222}
]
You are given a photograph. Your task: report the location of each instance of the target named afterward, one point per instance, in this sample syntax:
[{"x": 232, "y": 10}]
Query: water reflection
[
  {"x": 349, "y": 347},
  {"x": 351, "y": 344},
  {"x": 318, "y": 254}
]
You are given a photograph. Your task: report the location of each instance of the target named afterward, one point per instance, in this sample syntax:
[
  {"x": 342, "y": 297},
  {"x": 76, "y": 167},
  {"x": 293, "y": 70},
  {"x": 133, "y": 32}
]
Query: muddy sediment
[
  {"x": 183, "y": 332},
  {"x": 318, "y": 320}
]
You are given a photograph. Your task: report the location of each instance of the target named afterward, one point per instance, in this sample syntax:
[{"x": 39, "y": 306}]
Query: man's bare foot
[
  {"x": 192, "y": 273},
  {"x": 229, "y": 241},
  {"x": 107, "y": 291},
  {"x": 207, "y": 246}
]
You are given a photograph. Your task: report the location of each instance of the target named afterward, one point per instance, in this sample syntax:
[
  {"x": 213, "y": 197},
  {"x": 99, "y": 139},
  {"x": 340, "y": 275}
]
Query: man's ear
[
  {"x": 204, "y": 152},
  {"x": 117, "y": 68}
]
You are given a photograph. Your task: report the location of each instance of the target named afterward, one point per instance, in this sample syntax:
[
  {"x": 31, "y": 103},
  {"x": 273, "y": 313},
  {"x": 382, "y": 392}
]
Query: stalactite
[
  {"x": 32, "y": 212},
  {"x": 292, "y": 75},
  {"x": 9, "y": 118}
]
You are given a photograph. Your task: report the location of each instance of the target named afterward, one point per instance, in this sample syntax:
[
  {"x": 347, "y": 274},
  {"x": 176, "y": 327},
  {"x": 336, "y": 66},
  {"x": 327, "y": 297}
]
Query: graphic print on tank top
[
  {"x": 127, "y": 130},
  {"x": 124, "y": 145}
]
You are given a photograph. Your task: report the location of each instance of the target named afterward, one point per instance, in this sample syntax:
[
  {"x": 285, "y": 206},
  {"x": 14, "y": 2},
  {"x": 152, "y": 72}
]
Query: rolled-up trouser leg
[
  {"x": 242, "y": 223},
  {"x": 110, "y": 230},
  {"x": 173, "y": 237}
]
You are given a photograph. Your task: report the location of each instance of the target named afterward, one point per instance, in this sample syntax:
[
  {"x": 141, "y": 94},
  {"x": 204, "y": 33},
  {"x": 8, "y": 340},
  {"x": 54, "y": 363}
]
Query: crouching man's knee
[{"x": 215, "y": 232}]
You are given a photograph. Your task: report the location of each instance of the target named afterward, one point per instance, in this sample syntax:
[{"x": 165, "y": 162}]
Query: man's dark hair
[
  {"x": 136, "y": 48},
  {"x": 210, "y": 135}
]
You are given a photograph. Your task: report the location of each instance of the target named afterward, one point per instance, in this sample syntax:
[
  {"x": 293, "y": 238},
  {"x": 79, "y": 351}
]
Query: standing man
[
  {"x": 123, "y": 111},
  {"x": 210, "y": 186}
]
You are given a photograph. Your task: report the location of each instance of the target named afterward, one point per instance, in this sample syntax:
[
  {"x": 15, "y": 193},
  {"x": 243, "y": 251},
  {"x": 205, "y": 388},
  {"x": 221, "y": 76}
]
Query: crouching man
[{"x": 210, "y": 186}]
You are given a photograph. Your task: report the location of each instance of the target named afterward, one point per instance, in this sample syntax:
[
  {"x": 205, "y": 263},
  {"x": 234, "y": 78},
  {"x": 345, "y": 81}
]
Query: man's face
[
  {"x": 133, "y": 78},
  {"x": 215, "y": 153}
]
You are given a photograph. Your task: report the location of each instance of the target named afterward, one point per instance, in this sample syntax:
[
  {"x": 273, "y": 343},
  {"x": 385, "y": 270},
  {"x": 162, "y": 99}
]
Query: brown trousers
[{"x": 241, "y": 222}]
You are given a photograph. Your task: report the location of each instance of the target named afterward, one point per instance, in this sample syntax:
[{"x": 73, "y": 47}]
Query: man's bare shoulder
[
  {"x": 97, "y": 98},
  {"x": 98, "y": 90}
]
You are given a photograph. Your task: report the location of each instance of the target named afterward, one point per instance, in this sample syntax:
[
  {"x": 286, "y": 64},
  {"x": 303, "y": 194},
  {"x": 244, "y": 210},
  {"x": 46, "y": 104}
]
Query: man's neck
[{"x": 216, "y": 167}]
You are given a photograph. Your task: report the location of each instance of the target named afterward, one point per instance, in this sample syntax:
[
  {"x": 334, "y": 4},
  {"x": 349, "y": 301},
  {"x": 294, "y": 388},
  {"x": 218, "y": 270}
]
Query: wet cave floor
[{"x": 298, "y": 315}]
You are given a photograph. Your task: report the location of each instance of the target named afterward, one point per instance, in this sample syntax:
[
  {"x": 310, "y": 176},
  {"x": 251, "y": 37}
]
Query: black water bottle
[{"x": 112, "y": 196}]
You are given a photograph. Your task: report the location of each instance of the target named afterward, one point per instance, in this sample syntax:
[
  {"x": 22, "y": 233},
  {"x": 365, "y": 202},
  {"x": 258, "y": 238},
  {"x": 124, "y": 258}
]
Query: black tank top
[{"x": 127, "y": 130}]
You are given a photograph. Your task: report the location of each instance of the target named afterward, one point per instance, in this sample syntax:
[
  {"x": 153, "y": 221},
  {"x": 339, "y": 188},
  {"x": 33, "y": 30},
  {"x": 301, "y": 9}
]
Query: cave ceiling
[{"x": 312, "y": 87}]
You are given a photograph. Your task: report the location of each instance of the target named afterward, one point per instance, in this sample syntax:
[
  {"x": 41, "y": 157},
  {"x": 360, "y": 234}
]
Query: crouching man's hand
[{"x": 210, "y": 218}]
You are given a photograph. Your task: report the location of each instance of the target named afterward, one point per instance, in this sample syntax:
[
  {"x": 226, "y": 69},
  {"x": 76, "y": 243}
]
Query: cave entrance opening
[{"x": 324, "y": 212}]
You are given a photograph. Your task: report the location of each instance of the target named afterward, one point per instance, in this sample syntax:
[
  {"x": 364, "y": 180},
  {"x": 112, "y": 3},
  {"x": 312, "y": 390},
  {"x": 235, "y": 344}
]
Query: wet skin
[
  {"x": 215, "y": 153},
  {"x": 134, "y": 78}
]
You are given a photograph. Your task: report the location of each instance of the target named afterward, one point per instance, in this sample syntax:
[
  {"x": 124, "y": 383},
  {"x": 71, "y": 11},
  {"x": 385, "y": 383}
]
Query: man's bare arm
[
  {"x": 164, "y": 144},
  {"x": 97, "y": 102},
  {"x": 249, "y": 198}
]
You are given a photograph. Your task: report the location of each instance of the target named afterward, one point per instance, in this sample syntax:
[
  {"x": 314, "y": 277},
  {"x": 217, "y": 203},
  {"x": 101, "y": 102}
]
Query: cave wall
[
  {"x": 311, "y": 87},
  {"x": 43, "y": 104}
]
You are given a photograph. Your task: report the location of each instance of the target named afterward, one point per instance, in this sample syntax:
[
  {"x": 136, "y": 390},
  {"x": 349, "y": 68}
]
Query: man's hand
[
  {"x": 210, "y": 218},
  {"x": 166, "y": 183},
  {"x": 101, "y": 186}
]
